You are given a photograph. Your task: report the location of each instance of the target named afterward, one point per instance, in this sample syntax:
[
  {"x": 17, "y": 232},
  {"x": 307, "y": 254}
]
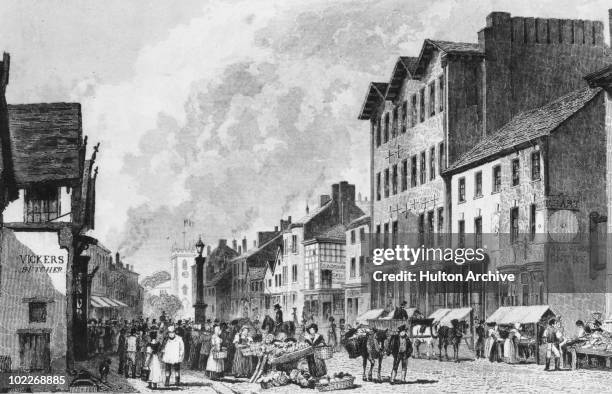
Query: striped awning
[{"x": 106, "y": 302}]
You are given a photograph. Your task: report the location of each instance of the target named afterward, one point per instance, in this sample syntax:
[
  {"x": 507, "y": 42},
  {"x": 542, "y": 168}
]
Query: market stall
[
  {"x": 444, "y": 317},
  {"x": 533, "y": 320},
  {"x": 386, "y": 320},
  {"x": 593, "y": 351}
]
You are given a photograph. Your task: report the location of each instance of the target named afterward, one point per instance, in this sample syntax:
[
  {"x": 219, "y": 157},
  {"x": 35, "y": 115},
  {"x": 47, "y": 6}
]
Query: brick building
[{"x": 439, "y": 105}]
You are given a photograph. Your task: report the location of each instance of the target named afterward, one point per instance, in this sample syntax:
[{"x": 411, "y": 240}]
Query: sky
[{"x": 232, "y": 114}]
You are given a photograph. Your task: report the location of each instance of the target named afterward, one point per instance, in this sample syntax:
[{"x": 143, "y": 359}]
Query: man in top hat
[
  {"x": 401, "y": 349},
  {"x": 400, "y": 313},
  {"x": 174, "y": 351},
  {"x": 278, "y": 315}
]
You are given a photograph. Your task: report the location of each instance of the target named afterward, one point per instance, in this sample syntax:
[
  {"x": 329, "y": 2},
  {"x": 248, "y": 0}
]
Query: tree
[{"x": 154, "y": 305}]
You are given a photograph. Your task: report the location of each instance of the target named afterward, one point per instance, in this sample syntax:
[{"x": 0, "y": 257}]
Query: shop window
[{"x": 41, "y": 204}]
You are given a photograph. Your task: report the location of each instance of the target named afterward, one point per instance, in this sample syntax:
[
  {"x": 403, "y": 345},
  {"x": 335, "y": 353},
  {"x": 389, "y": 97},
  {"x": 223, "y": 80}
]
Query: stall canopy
[
  {"x": 444, "y": 316},
  {"x": 371, "y": 314},
  {"x": 410, "y": 311},
  {"x": 520, "y": 314},
  {"x": 106, "y": 302}
]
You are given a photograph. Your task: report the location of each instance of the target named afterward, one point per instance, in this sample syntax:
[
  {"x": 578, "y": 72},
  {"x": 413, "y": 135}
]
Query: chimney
[
  {"x": 208, "y": 250},
  {"x": 239, "y": 249},
  {"x": 345, "y": 198},
  {"x": 289, "y": 219},
  {"x": 235, "y": 245},
  {"x": 276, "y": 229},
  {"x": 323, "y": 199},
  {"x": 244, "y": 244},
  {"x": 307, "y": 209},
  {"x": 222, "y": 243}
]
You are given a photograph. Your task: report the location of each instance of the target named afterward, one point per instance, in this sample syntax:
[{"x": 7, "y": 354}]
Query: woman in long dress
[
  {"x": 316, "y": 366},
  {"x": 153, "y": 364},
  {"x": 215, "y": 366},
  {"x": 242, "y": 366},
  {"x": 511, "y": 345},
  {"x": 331, "y": 335},
  {"x": 491, "y": 342}
]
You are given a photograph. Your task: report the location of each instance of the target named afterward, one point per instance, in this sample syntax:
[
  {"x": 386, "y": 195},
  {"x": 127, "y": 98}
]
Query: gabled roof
[
  {"x": 312, "y": 214},
  {"x": 376, "y": 93},
  {"x": 524, "y": 128},
  {"x": 448, "y": 48},
  {"x": 404, "y": 67},
  {"x": 335, "y": 234},
  {"x": 46, "y": 142},
  {"x": 259, "y": 249}
]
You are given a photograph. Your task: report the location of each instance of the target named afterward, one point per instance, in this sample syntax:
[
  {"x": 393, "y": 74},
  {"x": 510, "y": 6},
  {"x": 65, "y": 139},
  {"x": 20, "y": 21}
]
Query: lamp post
[{"x": 200, "y": 306}]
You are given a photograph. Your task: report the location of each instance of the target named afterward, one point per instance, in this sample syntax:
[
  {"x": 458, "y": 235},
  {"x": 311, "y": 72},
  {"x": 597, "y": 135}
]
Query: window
[
  {"x": 394, "y": 234},
  {"x": 478, "y": 232},
  {"x": 432, "y": 163},
  {"x": 422, "y": 104},
  {"x": 41, "y": 204},
  {"x": 535, "y": 166},
  {"x": 294, "y": 273},
  {"x": 441, "y": 93},
  {"x": 326, "y": 279},
  {"x": 478, "y": 184},
  {"x": 440, "y": 223},
  {"x": 285, "y": 275},
  {"x": 515, "y": 172},
  {"x": 432, "y": 98},
  {"x": 413, "y": 168},
  {"x": 496, "y": 179},
  {"x": 362, "y": 235},
  {"x": 421, "y": 229},
  {"x": 404, "y": 116},
  {"x": 37, "y": 312},
  {"x": 430, "y": 227},
  {"x": 413, "y": 114},
  {"x": 394, "y": 179},
  {"x": 386, "y": 183},
  {"x": 514, "y": 224},
  {"x": 377, "y": 127},
  {"x": 386, "y": 131},
  {"x": 184, "y": 264},
  {"x": 441, "y": 157},
  {"x": 362, "y": 265},
  {"x": 352, "y": 268},
  {"x": 386, "y": 235},
  {"x": 461, "y": 233},
  {"x": 378, "y": 235},
  {"x": 395, "y": 122},
  {"x": 294, "y": 244},
  {"x": 461, "y": 190},
  {"x": 352, "y": 236},
  {"x": 378, "y": 186},
  {"x": 532, "y": 221},
  {"x": 422, "y": 169},
  {"x": 404, "y": 174}
]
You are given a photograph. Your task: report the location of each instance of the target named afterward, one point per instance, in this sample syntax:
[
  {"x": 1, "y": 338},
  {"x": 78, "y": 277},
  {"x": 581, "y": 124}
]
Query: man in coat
[
  {"x": 400, "y": 313},
  {"x": 278, "y": 315},
  {"x": 173, "y": 353}
]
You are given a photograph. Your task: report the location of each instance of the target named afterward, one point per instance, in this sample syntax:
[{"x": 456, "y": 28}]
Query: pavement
[{"x": 424, "y": 376}]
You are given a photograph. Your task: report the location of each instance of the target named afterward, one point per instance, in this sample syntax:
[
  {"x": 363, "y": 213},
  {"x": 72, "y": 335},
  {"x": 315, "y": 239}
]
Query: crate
[
  {"x": 344, "y": 384},
  {"x": 324, "y": 352}
]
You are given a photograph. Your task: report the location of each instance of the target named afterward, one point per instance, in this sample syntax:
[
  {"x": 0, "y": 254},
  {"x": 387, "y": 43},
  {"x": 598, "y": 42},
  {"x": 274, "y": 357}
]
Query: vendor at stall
[
  {"x": 511, "y": 345},
  {"x": 242, "y": 366},
  {"x": 316, "y": 366}
]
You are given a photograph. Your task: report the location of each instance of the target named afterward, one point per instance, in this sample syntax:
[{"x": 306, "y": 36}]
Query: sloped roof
[
  {"x": 365, "y": 219},
  {"x": 525, "y": 127},
  {"x": 404, "y": 67},
  {"x": 448, "y": 47},
  {"x": 45, "y": 142},
  {"x": 376, "y": 93},
  {"x": 334, "y": 234},
  {"x": 520, "y": 314},
  {"x": 312, "y": 214},
  {"x": 257, "y": 250}
]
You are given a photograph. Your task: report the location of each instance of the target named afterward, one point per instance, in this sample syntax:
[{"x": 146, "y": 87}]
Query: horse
[
  {"x": 393, "y": 349},
  {"x": 422, "y": 334},
  {"x": 370, "y": 347},
  {"x": 449, "y": 336},
  {"x": 269, "y": 326}
]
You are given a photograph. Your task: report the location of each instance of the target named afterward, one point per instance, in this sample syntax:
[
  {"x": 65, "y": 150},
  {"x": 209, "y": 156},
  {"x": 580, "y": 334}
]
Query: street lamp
[{"x": 200, "y": 306}]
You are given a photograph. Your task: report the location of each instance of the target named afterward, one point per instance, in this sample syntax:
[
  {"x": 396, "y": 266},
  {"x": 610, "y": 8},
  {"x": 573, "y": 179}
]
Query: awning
[
  {"x": 444, "y": 316},
  {"x": 106, "y": 302},
  {"x": 409, "y": 311},
  {"x": 520, "y": 314},
  {"x": 371, "y": 314}
]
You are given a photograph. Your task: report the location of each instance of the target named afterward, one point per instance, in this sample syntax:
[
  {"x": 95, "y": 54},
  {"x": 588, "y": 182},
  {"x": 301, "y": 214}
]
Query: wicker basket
[
  {"x": 265, "y": 385},
  {"x": 344, "y": 384},
  {"x": 324, "y": 352}
]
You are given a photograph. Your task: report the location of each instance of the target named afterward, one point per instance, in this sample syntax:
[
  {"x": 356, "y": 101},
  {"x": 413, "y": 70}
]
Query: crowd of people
[{"x": 154, "y": 350}]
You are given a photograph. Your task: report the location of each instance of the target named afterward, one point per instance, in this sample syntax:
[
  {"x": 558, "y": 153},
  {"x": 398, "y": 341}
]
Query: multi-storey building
[
  {"x": 356, "y": 285},
  {"x": 438, "y": 105},
  {"x": 256, "y": 298},
  {"x": 218, "y": 281},
  {"x": 48, "y": 205}
]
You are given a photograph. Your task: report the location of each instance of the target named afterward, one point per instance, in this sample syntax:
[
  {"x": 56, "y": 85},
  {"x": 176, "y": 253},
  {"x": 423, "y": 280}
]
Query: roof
[
  {"x": 371, "y": 314},
  {"x": 312, "y": 214},
  {"x": 45, "y": 142},
  {"x": 524, "y": 128},
  {"x": 257, "y": 273},
  {"x": 220, "y": 275},
  {"x": 520, "y": 314},
  {"x": 254, "y": 251},
  {"x": 404, "y": 67},
  {"x": 360, "y": 221},
  {"x": 601, "y": 77},
  {"x": 335, "y": 233},
  {"x": 444, "y": 316},
  {"x": 448, "y": 47},
  {"x": 376, "y": 93}
]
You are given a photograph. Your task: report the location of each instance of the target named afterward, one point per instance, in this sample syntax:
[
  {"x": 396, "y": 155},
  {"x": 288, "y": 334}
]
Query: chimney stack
[
  {"x": 239, "y": 249},
  {"x": 117, "y": 258},
  {"x": 275, "y": 229},
  {"x": 235, "y": 244},
  {"x": 307, "y": 209},
  {"x": 244, "y": 245}
]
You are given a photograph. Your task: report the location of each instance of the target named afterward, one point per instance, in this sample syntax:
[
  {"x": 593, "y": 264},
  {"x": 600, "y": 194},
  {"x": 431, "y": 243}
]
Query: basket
[
  {"x": 324, "y": 352},
  {"x": 265, "y": 385},
  {"x": 219, "y": 355},
  {"x": 352, "y": 347},
  {"x": 289, "y": 357},
  {"x": 344, "y": 384}
]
